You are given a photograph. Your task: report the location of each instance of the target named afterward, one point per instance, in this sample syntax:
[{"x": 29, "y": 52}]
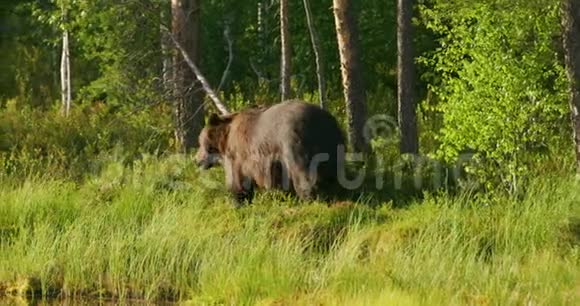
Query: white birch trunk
[
  {"x": 166, "y": 60},
  {"x": 286, "y": 57},
  {"x": 65, "y": 76}
]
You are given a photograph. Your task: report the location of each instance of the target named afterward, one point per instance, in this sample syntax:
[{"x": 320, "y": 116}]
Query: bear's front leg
[
  {"x": 241, "y": 186},
  {"x": 245, "y": 194}
]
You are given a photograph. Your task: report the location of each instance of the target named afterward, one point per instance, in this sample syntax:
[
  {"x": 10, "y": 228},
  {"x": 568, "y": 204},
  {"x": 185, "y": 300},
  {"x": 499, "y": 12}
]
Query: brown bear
[{"x": 294, "y": 146}]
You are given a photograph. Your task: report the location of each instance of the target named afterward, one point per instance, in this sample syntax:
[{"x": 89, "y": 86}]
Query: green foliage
[
  {"x": 123, "y": 42},
  {"x": 27, "y": 62},
  {"x": 32, "y": 140},
  {"x": 500, "y": 83}
]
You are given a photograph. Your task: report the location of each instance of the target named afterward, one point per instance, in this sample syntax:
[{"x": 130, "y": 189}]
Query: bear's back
[
  {"x": 294, "y": 124},
  {"x": 297, "y": 123}
]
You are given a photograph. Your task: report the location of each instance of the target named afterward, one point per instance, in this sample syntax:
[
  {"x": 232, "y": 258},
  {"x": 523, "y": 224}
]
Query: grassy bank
[{"x": 157, "y": 231}]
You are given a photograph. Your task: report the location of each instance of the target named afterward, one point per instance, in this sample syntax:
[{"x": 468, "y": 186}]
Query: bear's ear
[{"x": 215, "y": 119}]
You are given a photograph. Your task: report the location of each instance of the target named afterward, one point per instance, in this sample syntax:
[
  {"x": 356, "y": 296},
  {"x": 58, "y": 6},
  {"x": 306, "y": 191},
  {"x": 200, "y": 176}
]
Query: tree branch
[
  {"x": 206, "y": 87},
  {"x": 228, "y": 38},
  {"x": 320, "y": 71}
]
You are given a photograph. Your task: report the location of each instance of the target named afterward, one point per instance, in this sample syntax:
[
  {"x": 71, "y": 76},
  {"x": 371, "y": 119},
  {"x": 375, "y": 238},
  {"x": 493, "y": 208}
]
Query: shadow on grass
[{"x": 399, "y": 190}]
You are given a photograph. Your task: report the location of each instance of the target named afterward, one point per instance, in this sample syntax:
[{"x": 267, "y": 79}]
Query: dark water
[{"x": 17, "y": 301}]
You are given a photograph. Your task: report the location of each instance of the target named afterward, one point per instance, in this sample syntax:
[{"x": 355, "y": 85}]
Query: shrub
[
  {"x": 500, "y": 83},
  {"x": 33, "y": 140}
]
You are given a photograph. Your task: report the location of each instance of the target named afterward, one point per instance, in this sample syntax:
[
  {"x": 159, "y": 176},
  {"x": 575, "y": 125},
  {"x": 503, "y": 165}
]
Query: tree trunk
[
  {"x": 199, "y": 76},
  {"x": 260, "y": 32},
  {"x": 572, "y": 51},
  {"x": 286, "y": 65},
  {"x": 317, "y": 53},
  {"x": 188, "y": 109},
  {"x": 166, "y": 51},
  {"x": 351, "y": 66},
  {"x": 406, "y": 78},
  {"x": 65, "y": 78}
]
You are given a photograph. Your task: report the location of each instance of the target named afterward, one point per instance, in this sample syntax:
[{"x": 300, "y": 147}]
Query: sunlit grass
[{"x": 156, "y": 231}]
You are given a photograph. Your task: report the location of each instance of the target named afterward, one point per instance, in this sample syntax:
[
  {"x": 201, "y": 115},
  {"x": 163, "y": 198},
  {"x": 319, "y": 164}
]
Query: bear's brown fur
[{"x": 293, "y": 145}]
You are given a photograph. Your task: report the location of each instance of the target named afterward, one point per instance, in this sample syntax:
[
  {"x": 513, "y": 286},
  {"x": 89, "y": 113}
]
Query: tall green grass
[{"x": 155, "y": 231}]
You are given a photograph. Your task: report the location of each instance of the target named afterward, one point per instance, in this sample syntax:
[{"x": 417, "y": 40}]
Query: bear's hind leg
[
  {"x": 301, "y": 180},
  {"x": 279, "y": 176}
]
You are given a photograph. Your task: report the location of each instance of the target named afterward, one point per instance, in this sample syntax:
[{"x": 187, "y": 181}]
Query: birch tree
[
  {"x": 65, "y": 75},
  {"x": 166, "y": 51},
  {"x": 286, "y": 58}
]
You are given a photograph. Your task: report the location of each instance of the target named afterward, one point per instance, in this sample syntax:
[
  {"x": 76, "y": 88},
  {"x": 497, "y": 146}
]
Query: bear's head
[{"x": 212, "y": 141}]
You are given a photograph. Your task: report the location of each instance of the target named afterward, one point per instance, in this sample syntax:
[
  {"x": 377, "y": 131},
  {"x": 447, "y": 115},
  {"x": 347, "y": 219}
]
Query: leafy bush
[
  {"x": 500, "y": 83},
  {"x": 33, "y": 140}
]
